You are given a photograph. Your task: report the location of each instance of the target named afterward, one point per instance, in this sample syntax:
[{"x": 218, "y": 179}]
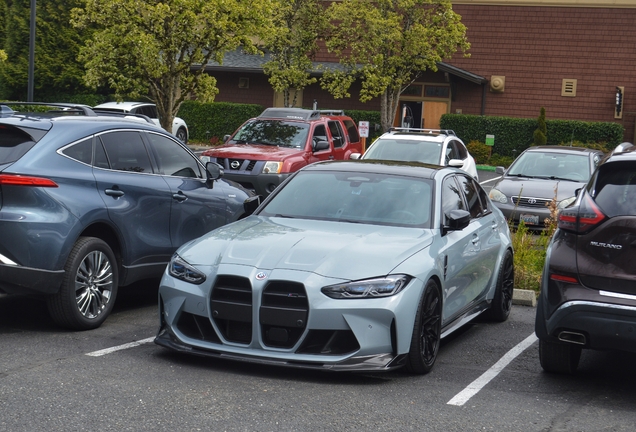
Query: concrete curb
[{"x": 524, "y": 297}]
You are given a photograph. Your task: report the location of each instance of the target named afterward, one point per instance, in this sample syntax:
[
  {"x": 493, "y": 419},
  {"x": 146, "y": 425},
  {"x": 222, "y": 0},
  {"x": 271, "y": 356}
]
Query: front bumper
[
  {"x": 534, "y": 217},
  {"x": 261, "y": 184},
  {"x": 325, "y": 334}
]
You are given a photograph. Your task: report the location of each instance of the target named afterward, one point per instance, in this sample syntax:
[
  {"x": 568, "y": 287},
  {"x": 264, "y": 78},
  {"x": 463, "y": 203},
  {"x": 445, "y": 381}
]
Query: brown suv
[
  {"x": 265, "y": 150},
  {"x": 588, "y": 290}
]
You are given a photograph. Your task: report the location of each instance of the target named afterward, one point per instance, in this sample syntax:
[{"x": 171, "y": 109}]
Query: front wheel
[
  {"x": 427, "y": 331},
  {"x": 502, "y": 302},
  {"x": 89, "y": 287}
]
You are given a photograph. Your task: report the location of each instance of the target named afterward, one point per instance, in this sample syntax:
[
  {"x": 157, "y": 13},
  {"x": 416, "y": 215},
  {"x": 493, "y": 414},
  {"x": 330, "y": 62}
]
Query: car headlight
[
  {"x": 205, "y": 159},
  {"x": 368, "y": 288},
  {"x": 272, "y": 167},
  {"x": 180, "y": 269},
  {"x": 498, "y": 196},
  {"x": 566, "y": 202}
]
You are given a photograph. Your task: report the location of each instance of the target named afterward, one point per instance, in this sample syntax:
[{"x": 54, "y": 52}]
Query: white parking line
[
  {"x": 473, "y": 388},
  {"x": 119, "y": 348}
]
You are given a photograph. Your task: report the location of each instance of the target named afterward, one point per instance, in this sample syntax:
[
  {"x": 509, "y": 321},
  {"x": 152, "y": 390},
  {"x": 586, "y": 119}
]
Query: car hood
[
  {"x": 331, "y": 249},
  {"x": 251, "y": 151},
  {"x": 537, "y": 188}
]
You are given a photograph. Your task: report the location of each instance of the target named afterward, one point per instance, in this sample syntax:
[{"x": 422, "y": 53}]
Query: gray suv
[{"x": 89, "y": 203}]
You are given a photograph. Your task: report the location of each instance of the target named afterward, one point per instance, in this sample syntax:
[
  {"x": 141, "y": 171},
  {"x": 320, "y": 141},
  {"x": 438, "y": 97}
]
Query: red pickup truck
[{"x": 266, "y": 149}]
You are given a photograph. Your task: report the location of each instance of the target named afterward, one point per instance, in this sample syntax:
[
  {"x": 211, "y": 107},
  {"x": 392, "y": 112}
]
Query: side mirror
[
  {"x": 321, "y": 145},
  {"x": 500, "y": 170},
  {"x": 458, "y": 220},
  {"x": 456, "y": 163},
  {"x": 226, "y": 138},
  {"x": 355, "y": 156},
  {"x": 251, "y": 204},
  {"x": 213, "y": 170}
]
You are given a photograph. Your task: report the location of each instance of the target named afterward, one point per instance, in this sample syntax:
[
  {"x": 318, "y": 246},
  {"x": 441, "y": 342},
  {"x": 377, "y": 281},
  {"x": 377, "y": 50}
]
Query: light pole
[{"x": 31, "y": 53}]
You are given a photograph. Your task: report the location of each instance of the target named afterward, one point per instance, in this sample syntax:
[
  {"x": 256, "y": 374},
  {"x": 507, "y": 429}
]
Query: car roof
[
  {"x": 561, "y": 149},
  {"x": 301, "y": 114},
  {"x": 622, "y": 152},
  {"x": 400, "y": 168},
  {"x": 436, "y": 135},
  {"x": 123, "y": 105}
]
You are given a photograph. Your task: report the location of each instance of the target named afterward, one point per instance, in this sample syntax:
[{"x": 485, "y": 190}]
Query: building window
[
  {"x": 437, "y": 91},
  {"x": 568, "y": 87},
  {"x": 244, "y": 83},
  {"x": 413, "y": 90}
]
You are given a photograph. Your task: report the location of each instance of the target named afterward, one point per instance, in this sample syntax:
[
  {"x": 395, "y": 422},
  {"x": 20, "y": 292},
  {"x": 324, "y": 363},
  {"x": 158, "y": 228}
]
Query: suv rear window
[
  {"x": 14, "y": 143},
  {"x": 614, "y": 188}
]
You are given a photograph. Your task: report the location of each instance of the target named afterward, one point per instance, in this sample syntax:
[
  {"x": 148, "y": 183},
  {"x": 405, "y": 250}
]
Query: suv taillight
[
  {"x": 582, "y": 218},
  {"x": 19, "y": 180}
]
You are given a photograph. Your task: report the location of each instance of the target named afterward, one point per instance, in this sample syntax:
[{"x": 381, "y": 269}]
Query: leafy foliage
[
  {"x": 298, "y": 25},
  {"x": 387, "y": 44},
  {"x": 147, "y": 47},
  {"x": 513, "y": 135},
  {"x": 57, "y": 46},
  {"x": 210, "y": 122},
  {"x": 540, "y": 133}
]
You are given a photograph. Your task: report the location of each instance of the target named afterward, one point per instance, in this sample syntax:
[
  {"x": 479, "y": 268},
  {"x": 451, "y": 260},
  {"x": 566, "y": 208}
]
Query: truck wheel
[{"x": 89, "y": 286}]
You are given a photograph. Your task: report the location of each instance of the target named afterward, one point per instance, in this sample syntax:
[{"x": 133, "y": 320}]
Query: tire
[
  {"x": 182, "y": 135},
  {"x": 559, "y": 357},
  {"x": 427, "y": 330},
  {"x": 89, "y": 286},
  {"x": 502, "y": 302}
]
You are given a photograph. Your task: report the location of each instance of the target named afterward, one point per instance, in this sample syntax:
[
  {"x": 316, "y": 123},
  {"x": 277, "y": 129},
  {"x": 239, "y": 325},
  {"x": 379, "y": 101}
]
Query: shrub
[
  {"x": 209, "y": 122},
  {"x": 479, "y": 151},
  {"x": 540, "y": 133}
]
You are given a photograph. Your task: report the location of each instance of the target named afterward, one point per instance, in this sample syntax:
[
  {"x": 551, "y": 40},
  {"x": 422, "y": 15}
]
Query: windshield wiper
[{"x": 522, "y": 175}]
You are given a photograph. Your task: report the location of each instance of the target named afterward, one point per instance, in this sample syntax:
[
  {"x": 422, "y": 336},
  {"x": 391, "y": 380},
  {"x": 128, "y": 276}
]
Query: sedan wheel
[
  {"x": 426, "y": 331},
  {"x": 89, "y": 287},
  {"x": 182, "y": 136},
  {"x": 502, "y": 302}
]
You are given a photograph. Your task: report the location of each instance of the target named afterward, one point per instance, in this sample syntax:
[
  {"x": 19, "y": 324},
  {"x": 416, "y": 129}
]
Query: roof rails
[
  {"x": 291, "y": 113},
  {"x": 428, "y": 131},
  {"x": 67, "y": 108},
  {"x": 332, "y": 112}
]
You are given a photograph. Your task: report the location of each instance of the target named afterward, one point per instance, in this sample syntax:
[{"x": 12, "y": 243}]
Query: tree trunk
[{"x": 388, "y": 104}]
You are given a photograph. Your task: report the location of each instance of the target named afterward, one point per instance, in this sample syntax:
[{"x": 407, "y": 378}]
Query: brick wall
[{"x": 535, "y": 48}]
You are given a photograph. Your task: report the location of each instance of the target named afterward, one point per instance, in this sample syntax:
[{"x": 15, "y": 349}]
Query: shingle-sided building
[{"x": 568, "y": 56}]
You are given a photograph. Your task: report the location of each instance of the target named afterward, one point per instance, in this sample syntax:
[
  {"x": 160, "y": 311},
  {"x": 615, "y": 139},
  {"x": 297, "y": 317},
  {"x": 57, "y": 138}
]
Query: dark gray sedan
[{"x": 539, "y": 175}]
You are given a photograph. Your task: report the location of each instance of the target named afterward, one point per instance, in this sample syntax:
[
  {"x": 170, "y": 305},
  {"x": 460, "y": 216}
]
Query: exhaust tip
[{"x": 572, "y": 337}]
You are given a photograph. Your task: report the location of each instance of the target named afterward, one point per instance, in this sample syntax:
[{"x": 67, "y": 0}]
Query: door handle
[
  {"x": 179, "y": 196},
  {"x": 116, "y": 193}
]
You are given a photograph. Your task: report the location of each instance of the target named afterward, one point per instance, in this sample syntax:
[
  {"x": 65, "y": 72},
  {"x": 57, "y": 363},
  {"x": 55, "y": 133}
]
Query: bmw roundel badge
[{"x": 261, "y": 275}]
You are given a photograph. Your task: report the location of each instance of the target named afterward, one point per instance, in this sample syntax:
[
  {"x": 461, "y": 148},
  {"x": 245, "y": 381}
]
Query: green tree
[
  {"x": 57, "y": 70},
  {"x": 541, "y": 132},
  {"x": 293, "y": 43},
  {"x": 387, "y": 44},
  {"x": 155, "y": 48}
]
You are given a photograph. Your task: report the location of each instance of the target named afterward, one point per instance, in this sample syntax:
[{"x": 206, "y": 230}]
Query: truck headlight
[{"x": 272, "y": 167}]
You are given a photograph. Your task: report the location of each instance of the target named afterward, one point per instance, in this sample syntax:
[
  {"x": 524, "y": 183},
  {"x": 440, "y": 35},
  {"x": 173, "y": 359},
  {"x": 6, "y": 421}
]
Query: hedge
[
  {"x": 513, "y": 135},
  {"x": 210, "y": 122}
]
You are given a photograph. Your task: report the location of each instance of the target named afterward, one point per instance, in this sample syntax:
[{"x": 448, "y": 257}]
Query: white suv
[
  {"x": 433, "y": 146},
  {"x": 179, "y": 127}
]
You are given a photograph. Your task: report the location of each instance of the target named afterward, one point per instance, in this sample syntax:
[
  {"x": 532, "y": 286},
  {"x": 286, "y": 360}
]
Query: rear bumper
[
  {"x": 603, "y": 325},
  {"x": 16, "y": 279}
]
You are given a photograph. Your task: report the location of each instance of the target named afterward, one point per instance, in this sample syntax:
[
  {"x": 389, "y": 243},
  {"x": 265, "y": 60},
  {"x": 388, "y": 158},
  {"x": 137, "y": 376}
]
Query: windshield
[
  {"x": 552, "y": 165},
  {"x": 355, "y": 197},
  {"x": 405, "y": 150},
  {"x": 273, "y": 132}
]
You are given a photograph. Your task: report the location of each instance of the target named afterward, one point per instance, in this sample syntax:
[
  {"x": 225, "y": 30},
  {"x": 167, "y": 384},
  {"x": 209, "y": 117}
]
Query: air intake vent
[
  {"x": 231, "y": 306},
  {"x": 568, "y": 87},
  {"x": 283, "y": 313}
]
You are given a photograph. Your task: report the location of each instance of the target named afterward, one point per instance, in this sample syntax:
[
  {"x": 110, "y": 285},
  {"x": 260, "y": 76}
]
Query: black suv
[
  {"x": 93, "y": 201},
  {"x": 588, "y": 290}
]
